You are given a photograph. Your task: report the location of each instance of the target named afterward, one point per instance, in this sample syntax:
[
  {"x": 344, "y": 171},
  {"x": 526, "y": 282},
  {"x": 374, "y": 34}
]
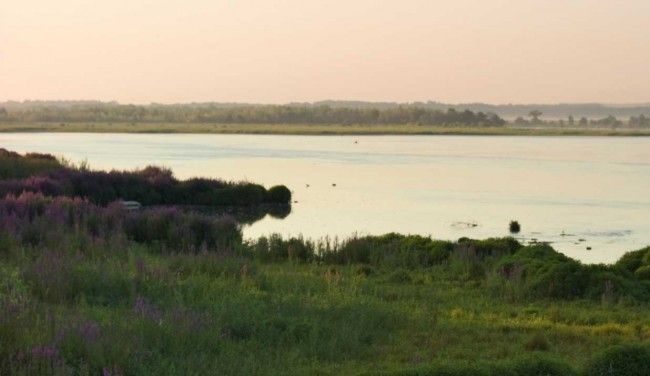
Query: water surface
[{"x": 561, "y": 189}]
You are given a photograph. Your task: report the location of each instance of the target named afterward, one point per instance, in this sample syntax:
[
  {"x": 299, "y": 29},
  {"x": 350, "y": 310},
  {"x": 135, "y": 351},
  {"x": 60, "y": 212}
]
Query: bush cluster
[
  {"x": 14, "y": 165},
  {"x": 150, "y": 186}
]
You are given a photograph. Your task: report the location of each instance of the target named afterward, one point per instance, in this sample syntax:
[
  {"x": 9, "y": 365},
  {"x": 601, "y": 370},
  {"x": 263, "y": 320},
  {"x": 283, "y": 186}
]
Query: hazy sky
[{"x": 304, "y": 50}]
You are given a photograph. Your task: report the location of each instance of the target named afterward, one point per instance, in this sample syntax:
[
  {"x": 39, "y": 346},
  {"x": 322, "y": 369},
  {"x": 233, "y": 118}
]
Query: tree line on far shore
[
  {"x": 248, "y": 114},
  {"x": 608, "y": 121}
]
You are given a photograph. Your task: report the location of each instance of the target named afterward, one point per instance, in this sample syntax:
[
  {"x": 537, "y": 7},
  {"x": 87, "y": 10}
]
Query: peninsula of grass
[
  {"x": 318, "y": 129},
  {"x": 43, "y": 173}
]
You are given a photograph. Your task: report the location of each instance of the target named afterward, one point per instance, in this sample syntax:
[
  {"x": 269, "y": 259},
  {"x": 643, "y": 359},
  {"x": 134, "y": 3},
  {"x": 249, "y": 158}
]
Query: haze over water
[{"x": 561, "y": 189}]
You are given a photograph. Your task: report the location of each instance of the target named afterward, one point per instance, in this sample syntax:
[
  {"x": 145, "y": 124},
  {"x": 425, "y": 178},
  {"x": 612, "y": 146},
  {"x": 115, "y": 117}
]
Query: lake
[{"x": 575, "y": 192}]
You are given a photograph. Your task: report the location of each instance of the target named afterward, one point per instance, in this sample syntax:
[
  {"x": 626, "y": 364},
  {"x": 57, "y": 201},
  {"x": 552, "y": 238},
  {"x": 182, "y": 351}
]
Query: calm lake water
[{"x": 561, "y": 189}]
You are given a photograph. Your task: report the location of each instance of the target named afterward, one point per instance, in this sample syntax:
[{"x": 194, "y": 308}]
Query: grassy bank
[{"x": 312, "y": 129}]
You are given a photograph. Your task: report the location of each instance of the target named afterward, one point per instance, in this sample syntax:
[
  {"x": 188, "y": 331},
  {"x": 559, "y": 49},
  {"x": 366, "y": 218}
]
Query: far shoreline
[{"x": 316, "y": 129}]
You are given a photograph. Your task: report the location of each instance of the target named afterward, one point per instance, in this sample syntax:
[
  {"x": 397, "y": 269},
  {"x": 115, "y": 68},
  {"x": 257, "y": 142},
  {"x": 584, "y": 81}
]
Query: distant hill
[{"x": 507, "y": 111}]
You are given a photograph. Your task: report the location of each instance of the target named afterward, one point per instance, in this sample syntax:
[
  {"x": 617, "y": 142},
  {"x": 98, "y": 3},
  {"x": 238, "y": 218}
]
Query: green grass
[
  {"x": 200, "y": 315},
  {"x": 309, "y": 129}
]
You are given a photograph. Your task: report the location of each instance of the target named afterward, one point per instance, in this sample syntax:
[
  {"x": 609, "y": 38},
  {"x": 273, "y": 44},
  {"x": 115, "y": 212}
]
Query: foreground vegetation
[
  {"x": 87, "y": 290},
  {"x": 319, "y": 129},
  {"x": 90, "y": 288}
]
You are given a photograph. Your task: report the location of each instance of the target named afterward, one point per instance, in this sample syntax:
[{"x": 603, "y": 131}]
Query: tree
[
  {"x": 640, "y": 121},
  {"x": 535, "y": 114},
  {"x": 520, "y": 121},
  {"x": 610, "y": 120},
  {"x": 583, "y": 121},
  {"x": 571, "y": 121},
  {"x": 643, "y": 120}
]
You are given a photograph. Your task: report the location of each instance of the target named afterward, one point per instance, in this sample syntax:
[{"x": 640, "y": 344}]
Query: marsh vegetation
[{"x": 88, "y": 287}]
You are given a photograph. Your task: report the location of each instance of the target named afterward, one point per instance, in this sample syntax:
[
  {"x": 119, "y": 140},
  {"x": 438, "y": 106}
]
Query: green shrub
[
  {"x": 15, "y": 166},
  {"x": 541, "y": 272},
  {"x": 643, "y": 272},
  {"x": 514, "y": 227},
  {"x": 622, "y": 360},
  {"x": 487, "y": 248},
  {"x": 278, "y": 194},
  {"x": 631, "y": 261},
  {"x": 391, "y": 250}
]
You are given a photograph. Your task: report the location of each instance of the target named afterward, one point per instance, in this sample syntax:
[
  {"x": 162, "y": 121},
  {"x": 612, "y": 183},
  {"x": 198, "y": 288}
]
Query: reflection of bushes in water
[{"x": 244, "y": 214}]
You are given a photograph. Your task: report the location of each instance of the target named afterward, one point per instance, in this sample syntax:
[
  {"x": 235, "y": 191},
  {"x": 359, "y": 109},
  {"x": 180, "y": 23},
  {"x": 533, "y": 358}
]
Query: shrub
[
  {"x": 631, "y": 261},
  {"x": 15, "y": 166},
  {"x": 622, "y": 360},
  {"x": 488, "y": 248},
  {"x": 514, "y": 227},
  {"x": 643, "y": 272},
  {"x": 278, "y": 194},
  {"x": 541, "y": 272},
  {"x": 391, "y": 250},
  {"x": 149, "y": 186}
]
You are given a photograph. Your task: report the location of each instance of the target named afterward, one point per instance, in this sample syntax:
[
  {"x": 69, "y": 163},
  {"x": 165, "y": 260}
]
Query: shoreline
[{"x": 314, "y": 129}]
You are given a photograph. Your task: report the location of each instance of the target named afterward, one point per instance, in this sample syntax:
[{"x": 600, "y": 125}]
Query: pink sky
[{"x": 497, "y": 51}]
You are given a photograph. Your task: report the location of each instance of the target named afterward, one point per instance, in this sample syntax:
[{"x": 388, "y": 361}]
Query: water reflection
[
  {"x": 246, "y": 215},
  {"x": 595, "y": 188}
]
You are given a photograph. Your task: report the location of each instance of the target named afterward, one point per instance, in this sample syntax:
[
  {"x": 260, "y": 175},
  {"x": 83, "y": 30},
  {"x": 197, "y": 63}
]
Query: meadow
[
  {"x": 88, "y": 287},
  {"x": 317, "y": 129}
]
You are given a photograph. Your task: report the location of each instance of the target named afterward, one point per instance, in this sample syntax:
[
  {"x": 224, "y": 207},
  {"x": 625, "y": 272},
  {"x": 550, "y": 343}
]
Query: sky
[{"x": 279, "y": 51}]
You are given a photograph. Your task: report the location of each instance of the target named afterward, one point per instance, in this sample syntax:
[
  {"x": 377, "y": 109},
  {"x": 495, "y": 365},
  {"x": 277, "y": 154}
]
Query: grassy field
[
  {"x": 136, "y": 313},
  {"x": 310, "y": 129}
]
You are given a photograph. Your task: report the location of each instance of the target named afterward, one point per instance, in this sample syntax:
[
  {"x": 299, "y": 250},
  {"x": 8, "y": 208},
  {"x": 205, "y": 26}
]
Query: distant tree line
[
  {"x": 608, "y": 121},
  {"x": 248, "y": 114}
]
